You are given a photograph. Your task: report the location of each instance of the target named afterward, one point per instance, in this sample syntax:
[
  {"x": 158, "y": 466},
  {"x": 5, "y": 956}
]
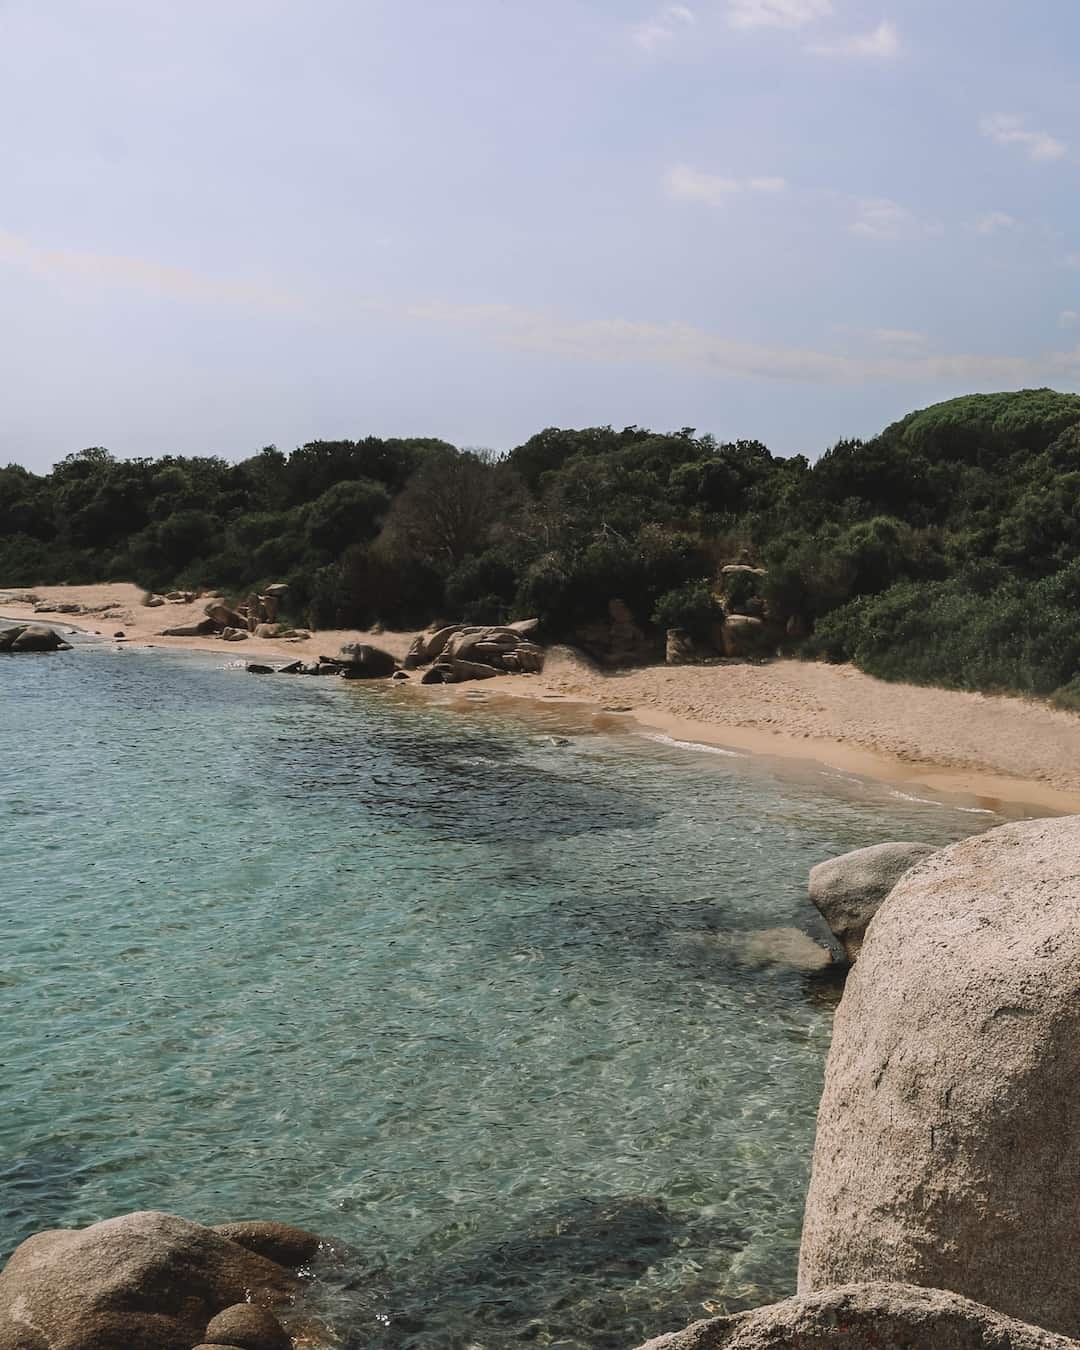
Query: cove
[{"x": 496, "y": 1012}]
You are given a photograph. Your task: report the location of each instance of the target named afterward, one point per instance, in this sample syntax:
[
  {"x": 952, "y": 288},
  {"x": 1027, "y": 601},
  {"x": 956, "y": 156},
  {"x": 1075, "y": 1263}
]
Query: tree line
[{"x": 946, "y": 550}]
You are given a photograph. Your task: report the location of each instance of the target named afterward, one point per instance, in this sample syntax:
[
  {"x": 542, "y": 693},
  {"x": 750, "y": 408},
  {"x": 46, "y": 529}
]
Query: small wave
[
  {"x": 933, "y": 801},
  {"x": 695, "y": 745}
]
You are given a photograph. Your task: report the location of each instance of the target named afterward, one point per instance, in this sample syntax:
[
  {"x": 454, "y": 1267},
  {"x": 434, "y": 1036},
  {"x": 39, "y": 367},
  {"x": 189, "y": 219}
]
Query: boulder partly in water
[
  {"x": 850, "y": 889},
  {"x": 32, "y": 637},
  {"x": 145, "y": 1281},
  {"x": 947, "y": 1151}
]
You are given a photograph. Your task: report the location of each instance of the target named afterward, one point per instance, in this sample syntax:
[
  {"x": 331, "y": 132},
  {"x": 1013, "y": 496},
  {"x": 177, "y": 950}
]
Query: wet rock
[
  {"x": 293, "y": 668},
  {"x": 875, "y": 1316},
  {"x": 279, "y": 1242},
  {"x": 400, "y": 675},
  {"x": 247, "y": 1327},
  {"x": 253, "y": 668},
  {"x": 145, "y": 1281},
  {"x": 32, "y": 637},
  {"x": 361, "y": 661},
  {"x": 849, "y": 890}
]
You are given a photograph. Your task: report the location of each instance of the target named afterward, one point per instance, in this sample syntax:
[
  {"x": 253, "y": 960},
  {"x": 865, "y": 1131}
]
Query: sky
[{"x": 232, "y": 223}]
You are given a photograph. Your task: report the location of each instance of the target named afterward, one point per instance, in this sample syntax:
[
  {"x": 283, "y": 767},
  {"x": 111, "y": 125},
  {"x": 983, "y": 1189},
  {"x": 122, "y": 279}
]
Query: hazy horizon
[{"x": 794, "y": 220}]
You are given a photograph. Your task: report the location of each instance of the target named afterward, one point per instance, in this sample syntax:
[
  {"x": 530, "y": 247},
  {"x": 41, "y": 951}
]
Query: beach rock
[
  {"x": 293, "y": 668},
  {"x": 679, "y": 649},
  {"x": 873, "y": 1316},
  {"x": 947, "y": 1153},
  {"x": 253, "y": 668},
  {"x": 361, "y": 661},
  {"x": 145, "y": 1281},
  {"x": 234, "y": 635},
  {"x": 180, "y": 597},
  {"x": 223, "y": 616},
  {"x": 400, "y": 675},
  {"x": 153, "y": 601},
  {"x": 35, "y": 637},
  {"x": 436, "y": 675},
  {"x": 849, "y": 890},
  {"x": 269, "y": 630},
  {"x": 59, "y": 607},
  {"x": 742, "y": 635},
  {"x": 248, "y": 1327},
  {"x": 279, "y": 1242},
  {"x": 204, "y": 628}
]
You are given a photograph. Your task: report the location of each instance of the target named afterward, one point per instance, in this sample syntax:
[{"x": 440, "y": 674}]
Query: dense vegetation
[{"x": 946, "y": 550}]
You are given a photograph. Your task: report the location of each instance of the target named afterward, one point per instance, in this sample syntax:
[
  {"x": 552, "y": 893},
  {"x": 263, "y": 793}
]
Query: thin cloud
[
  {"x": 1005, "y": 129},
  {"x": 663, "y": 28},
  {"x": 882, "y": 44},
  {"x": 899, "y": 337},
  {"x": 995, "y": 222},
  {"x": 162, "y": 279},
  {"x": 883, "y": 219},
  {"x": 776, "y": 13},
  {"x": 682, "y": 182}
]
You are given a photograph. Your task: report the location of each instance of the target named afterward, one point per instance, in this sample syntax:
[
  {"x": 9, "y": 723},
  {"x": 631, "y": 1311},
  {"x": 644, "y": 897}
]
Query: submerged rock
[
  {"x": 279, "y": 1242},
  {"x": 874, "y": 1316},
  {"x": 849, "y": 890},
  {"x": 947, "y": 1153}
]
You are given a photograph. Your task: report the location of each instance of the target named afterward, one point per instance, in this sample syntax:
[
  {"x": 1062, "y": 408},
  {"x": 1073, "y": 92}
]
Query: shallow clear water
[{"x": 479, "y": 1005}]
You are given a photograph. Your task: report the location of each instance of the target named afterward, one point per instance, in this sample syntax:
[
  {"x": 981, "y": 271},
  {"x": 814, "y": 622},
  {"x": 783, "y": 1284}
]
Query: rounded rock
[{"x": 248, "y": 1328}]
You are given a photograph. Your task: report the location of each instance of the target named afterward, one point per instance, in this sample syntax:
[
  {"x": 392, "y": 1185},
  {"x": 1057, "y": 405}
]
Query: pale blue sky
[{"x": 225, "y": 223}]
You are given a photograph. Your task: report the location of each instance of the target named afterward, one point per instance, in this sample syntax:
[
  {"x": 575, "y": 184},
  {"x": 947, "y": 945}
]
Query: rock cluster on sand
[
  {"x": 258, "y": 615},
  {"x": 849, "y": 890},
  {"x": 151, "y": 1281},
  {"x": 947, "y": 1155},
  {"x": 31, "y": 637},
  {"x": 453, "y": 654}
]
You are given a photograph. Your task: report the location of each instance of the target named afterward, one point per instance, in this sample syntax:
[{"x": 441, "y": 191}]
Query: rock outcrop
[
  {"x": 947, "y": 1151},
  {"x": 31, "y": 637},
  {"x": 458, "y": 652},
  {"x": 146, "y": 1281},
  {"x": 872, "y": 1316},
  {"x": 849, "y": 890}
]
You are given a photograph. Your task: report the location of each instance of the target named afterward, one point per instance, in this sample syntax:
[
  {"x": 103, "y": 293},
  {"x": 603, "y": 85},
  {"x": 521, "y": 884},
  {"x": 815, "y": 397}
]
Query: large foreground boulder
[
  {"x": 146, "y": 1281},
  {"x": 866, "y": 1317},
  {"x": 849, "y": 890},
  {"x": 948, "y": 1151}
]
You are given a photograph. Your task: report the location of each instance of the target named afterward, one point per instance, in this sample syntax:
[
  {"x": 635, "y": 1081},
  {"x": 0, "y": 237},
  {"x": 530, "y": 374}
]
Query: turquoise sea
[{"x": 494, "y": 1011}]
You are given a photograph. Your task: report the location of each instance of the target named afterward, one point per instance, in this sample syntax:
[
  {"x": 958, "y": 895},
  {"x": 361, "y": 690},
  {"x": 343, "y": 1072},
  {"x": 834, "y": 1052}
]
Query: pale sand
[{"x": 995, "y": 752}]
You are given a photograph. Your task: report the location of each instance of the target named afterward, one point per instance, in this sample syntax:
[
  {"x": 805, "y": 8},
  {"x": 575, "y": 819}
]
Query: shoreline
[{"x": 991, "y": 753}]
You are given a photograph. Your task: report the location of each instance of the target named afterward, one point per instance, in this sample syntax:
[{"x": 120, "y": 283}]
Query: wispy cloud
[
  {"x": 655, "y": 32},
  {"x": 1005, "y": 129},
  {"x": 995, "y": 222},
  {"x": 162, "y": 279},
  {"x": 882, "y": 218},
  {"x": 623, "y": 340},
  {"x": 902, "y": 360},
  {"x": 685, "y": 183},
  {"x": 776, "y": 13},
  {"x": 883, "y": 43},
  {"x": 905, "y": 338}
]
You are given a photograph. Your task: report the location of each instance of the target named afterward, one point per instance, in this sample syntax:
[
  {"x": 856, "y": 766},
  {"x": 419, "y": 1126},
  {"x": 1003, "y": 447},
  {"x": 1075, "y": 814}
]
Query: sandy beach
[{"x": 993, "y": 751}]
